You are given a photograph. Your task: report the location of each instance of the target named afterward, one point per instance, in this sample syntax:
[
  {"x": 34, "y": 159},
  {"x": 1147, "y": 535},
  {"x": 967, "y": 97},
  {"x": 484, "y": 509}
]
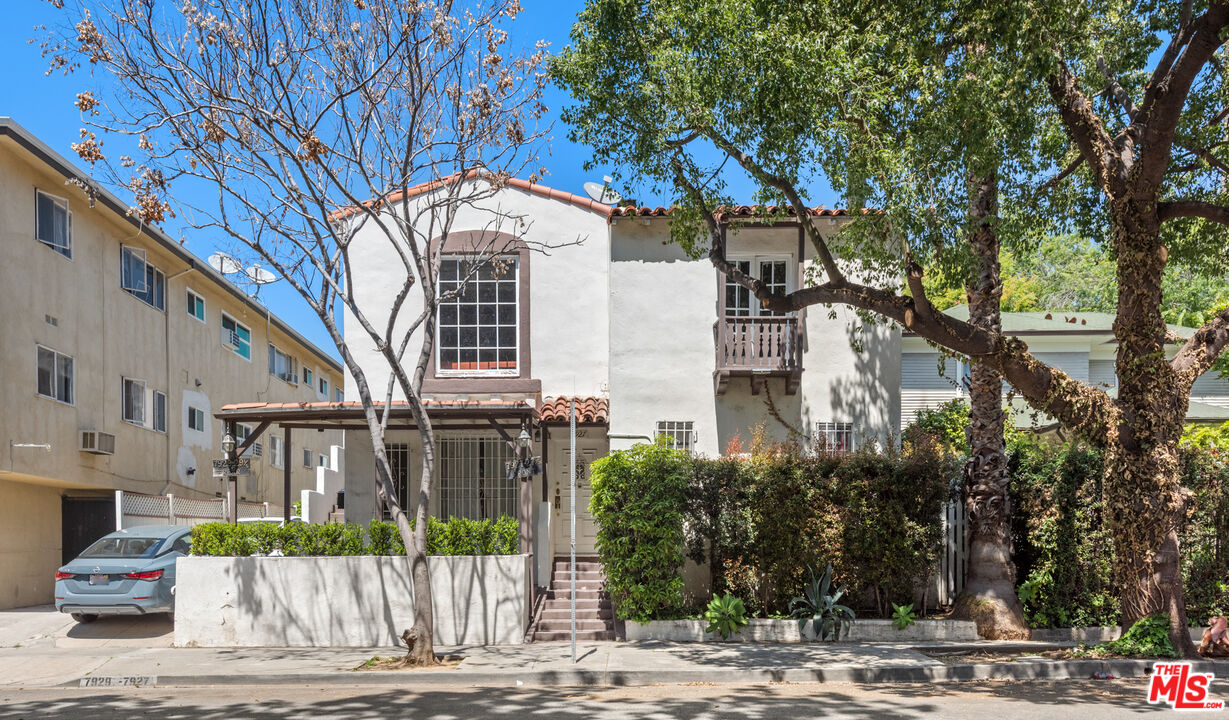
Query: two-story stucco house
[
  {"x": 118, "y": 348},
  {"x": 1081, "y": 344},
  {"x": 646, "y": 340}
]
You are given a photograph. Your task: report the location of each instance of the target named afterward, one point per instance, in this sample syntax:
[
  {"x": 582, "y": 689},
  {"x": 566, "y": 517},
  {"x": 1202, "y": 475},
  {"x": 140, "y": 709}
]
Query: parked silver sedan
[{"x": 128, "y": 572}]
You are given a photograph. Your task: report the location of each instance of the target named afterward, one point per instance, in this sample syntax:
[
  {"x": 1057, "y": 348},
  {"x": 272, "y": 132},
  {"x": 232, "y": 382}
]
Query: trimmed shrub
[
  {"x": 455, "y": 536},
  {"x": 637, "y": 502}
]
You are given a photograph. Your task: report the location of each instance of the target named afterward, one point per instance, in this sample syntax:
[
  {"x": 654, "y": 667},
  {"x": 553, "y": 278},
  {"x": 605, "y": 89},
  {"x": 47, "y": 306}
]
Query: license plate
[{"x": 100, "y": 579}]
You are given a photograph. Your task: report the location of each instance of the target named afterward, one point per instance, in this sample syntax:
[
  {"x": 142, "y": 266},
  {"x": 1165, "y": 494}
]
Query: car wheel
[{"x": 84, "y": 618}]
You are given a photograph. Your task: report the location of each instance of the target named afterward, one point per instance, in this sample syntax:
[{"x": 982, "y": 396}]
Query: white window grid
[
  {"x": 196, "y": 305},
  {"x": 834, "y": 437},
  {"x": 141, "y": 279},
  {"x": 283, "y": 365},
  {"x": 53, "y": 223},
  {"x": 55, "y": 375},
  {"x": 473, "y": 478},
  {"x": 773, "y": 271},
  {"x": 237, "y": 337},
  {"x": 679, "y": 434},
  {"x": 196, "y": 419},
  {"x": 479, "y": 328}
]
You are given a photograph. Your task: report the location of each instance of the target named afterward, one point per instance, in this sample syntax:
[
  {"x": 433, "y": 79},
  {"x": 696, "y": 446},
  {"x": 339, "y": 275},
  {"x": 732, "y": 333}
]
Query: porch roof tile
[{"x": 589, "y": 410}]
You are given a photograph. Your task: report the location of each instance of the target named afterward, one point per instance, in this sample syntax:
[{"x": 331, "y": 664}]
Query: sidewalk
[{"x": 40, "y": 650}]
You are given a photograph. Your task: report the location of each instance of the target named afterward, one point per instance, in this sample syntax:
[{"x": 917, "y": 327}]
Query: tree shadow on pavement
[{"x": 758, "y": 702}]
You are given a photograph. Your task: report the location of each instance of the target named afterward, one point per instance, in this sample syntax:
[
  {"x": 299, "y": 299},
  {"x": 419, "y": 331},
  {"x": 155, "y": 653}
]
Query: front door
[{"x": 587, "y": 450}]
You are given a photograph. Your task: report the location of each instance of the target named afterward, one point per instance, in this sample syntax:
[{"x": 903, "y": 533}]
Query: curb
[{"x": 1030, "y": 670}]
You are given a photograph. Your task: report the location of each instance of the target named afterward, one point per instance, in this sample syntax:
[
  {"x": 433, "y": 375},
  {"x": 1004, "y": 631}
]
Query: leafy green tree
[{"x": 1093, "y": 132}]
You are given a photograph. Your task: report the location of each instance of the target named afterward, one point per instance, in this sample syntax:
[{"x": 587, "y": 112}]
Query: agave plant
[
  {"x": 820, "y": 604},
  {"x": 725, "y": 615}
]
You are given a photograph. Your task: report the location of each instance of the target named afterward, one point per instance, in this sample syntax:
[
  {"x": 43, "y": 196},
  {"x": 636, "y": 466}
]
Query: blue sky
[{"x": 44, "y": 105}]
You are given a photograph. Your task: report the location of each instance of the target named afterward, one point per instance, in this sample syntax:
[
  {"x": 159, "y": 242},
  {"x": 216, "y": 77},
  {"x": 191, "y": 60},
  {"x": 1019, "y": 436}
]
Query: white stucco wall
[
  {"x": 663, "y": 306},
  {"x": 568, "y": 283},
  {"x": 364, "y": 601}
]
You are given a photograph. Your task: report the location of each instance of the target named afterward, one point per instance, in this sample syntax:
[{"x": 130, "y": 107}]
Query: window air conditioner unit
[
  {"x": 98, "y": 443},
  {"x": 290, "y": 378},
  {"x": 257, "y": 449},
  {"x": 230, "y": 340}
]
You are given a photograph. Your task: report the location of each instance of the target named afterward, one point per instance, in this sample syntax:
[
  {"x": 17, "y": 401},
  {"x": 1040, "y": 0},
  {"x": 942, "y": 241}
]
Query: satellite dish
[
  {"x": 603, "y": 193},
  {"x": 259, "y": 275},
  {"x": 224, "y": 263}
]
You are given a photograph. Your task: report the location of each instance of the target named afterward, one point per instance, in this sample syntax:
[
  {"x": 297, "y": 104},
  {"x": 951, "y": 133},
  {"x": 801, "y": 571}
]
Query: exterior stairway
[{"x": 594, "y": 614}]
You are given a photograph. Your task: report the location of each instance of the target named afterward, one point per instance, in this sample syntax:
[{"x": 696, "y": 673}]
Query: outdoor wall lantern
[
  {"x": 228, "y": 444},
  {"x": 524, "y": 466}
]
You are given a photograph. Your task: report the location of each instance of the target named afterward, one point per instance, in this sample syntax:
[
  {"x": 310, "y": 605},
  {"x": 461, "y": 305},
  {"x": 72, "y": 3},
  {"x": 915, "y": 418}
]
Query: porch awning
[{"x": 349, "y": 415}]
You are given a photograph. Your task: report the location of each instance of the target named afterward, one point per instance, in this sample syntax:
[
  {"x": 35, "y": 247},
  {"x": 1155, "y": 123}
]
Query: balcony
[{"x": 758, "y": 348}]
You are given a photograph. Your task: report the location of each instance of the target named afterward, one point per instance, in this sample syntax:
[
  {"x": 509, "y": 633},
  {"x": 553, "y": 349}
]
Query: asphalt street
[{"x": 1087, "y": 700}]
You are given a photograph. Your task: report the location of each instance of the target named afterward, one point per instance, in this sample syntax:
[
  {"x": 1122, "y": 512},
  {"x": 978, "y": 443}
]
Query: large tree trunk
[
  {"x": 1143, "y": 494},
  {"x": 989, "y": 596}
]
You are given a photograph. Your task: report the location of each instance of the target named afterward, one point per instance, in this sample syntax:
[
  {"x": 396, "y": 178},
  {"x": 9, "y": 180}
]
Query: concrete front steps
[{"x": 594, "y": 614}]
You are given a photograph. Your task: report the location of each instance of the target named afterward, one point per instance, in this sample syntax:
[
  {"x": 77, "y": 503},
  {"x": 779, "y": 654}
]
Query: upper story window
[
  {"x": 277, "y": 458},
  {"x": 479, "y": 317},
  {"x": 141, "y": 279},
  {"x": 338, "y": 395},
  {"x": 55, "y": 375},
  {"x": 237, "y": 337},
  {"x": 196, "y": 306},
  {"x": 53, "y": 223},
  {"x": 834, "y": 437},
  {"x": 307, "y": 377},
  {"x": 282, "y": 365},
  {"x": 196, "y": 419},
  {"x": 679, "y": 434},
  {"x": 323, "y": 387},
  {"x": 144, "y": 406},
  {"x": 773, "y": 271}
]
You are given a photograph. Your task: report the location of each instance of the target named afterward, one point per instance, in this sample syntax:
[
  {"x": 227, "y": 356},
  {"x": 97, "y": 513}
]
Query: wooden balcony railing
[{"x": 758, "y": 346}]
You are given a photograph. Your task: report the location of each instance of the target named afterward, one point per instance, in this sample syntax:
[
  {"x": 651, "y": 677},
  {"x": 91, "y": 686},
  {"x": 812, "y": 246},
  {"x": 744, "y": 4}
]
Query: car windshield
[{"x": 123, "y": 546}]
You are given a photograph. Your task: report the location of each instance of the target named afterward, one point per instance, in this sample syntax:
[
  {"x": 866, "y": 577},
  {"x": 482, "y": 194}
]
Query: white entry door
[{"x": 586, "y": 529}]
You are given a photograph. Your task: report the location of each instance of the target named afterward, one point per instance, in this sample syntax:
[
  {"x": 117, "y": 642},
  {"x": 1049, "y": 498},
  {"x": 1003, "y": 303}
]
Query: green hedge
[
  {"x": 455, "y": 536},
  {"x": 760, "y": 519}
]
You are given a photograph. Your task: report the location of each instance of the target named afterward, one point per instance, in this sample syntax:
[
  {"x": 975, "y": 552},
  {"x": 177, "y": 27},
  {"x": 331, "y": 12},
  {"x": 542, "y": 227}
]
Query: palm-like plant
[{"x": 820, "y": 604}]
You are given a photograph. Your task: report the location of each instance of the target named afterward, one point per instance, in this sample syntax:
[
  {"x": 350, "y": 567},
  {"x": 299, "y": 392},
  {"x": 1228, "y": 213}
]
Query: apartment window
[
  {"x": 282, "y": 365},
  {"x": 679, "y": 434},
  {"x": 196, "y": 419},
  {"x": 323, "y": 389},
  {"x": 322, "y": 461},
  {"x": 474, "y": 480},
  {"x": 276, "y": 457},
  {"x": 399, "y": 467},
  {"x": 307, "y": 376},
  {"x": 338, "y": 395},
  {"x": 55, "y": 375},
  {"x": 53, "y": 223},
  {"x": 772, "y": 271},
  {"x": 196, "y": 306},
  {"x": 143, "y": 406},
  {"x": 834, "y": 437},
  {"x": 478, "y": 317},
  {"x": 141, "y": 279},
  {"x": 307, "y": 457},
  {"x": 236, "y": 337}
]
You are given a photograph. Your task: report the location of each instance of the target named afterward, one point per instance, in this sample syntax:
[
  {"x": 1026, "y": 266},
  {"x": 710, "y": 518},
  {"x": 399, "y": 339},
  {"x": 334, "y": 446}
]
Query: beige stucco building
[{"x": 118, "y": 348}]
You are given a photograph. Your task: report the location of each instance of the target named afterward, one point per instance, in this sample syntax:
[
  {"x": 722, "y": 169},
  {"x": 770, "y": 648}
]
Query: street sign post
[{"x": 241, "y": 466}]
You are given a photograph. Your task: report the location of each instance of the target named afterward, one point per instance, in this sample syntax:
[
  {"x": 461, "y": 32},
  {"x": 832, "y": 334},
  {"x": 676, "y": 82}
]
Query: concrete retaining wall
[
  {"x": 346, "y": 601},
  {"x": 786, "y": 631}
]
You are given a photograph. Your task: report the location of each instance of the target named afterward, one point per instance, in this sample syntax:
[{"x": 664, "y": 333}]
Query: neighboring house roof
[
  {"x": 589, "y": 410},
  {"x": 11, "y": 128},
  {"x": 1039, "y": 323},
  {"x": 295, "y": 412}
]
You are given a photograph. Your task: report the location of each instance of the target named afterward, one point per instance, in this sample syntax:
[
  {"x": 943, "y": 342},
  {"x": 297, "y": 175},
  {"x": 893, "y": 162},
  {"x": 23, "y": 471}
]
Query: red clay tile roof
[
  {"x": 531, "y": 187},
  {"x": 589, "y": 410},
  {"x": 742, "y": 211}
]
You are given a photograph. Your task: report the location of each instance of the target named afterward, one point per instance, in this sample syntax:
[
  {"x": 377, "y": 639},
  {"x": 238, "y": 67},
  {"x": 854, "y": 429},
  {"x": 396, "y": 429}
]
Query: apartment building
[{"x": 119, "y": 346}]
